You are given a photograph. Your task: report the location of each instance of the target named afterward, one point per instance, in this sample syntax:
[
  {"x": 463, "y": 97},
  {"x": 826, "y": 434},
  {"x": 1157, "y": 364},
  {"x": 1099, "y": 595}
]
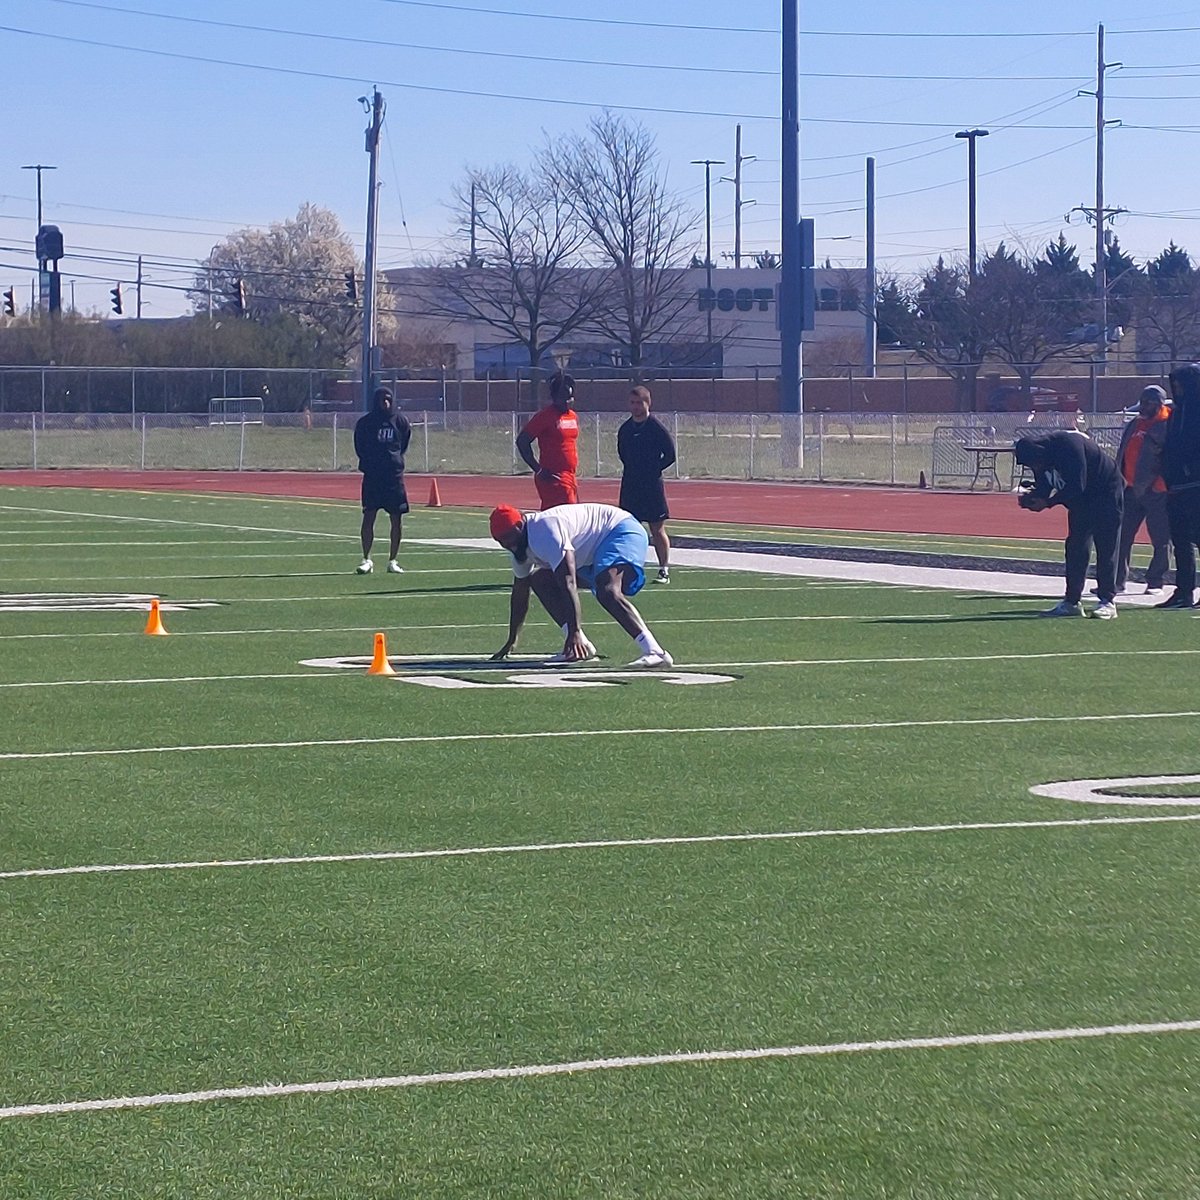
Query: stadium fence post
[
  {"x": 425, "y": 423},
  {"x": 675, "y": 427},
  {"x": 242, "y": 445},
  {"x": 892, "y": 420},
  {"x": 33, "y": 421},
  {"x": 820, "y": 447},
  {"x": 752, "y": 431},
  {"x": 143, "y": 457},
  {"x": 596, "y": 421},
  {"x": 513, "y": 440}
]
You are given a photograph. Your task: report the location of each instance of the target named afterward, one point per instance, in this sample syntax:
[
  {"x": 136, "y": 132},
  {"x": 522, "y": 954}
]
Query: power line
[{"x": 381, "y": 43}]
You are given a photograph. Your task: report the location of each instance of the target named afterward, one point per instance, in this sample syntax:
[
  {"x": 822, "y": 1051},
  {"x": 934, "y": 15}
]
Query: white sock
[
  {"x": 647, "y": 644},
  {"x": 566, "y": 629}
]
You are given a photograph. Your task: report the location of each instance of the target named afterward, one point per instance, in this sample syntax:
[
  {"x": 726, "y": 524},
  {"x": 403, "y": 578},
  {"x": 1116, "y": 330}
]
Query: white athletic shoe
[
  {"x": 365, "y": 567},
  {"x": 649, "y": 661},
  {"x": 1063, "y": 609},
  {"x": 394, "y": 568},
  {"x": 664, "y": 576},
  {"x": 1106, "y": 610}
]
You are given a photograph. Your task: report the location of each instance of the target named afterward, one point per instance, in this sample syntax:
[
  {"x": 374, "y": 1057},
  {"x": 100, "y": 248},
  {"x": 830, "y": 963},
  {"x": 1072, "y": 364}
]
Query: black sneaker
[{"x": 1177, "y": 599}]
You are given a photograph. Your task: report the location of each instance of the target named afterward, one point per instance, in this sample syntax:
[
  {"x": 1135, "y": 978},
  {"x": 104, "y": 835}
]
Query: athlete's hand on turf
[{"x": 576, "y": 646}]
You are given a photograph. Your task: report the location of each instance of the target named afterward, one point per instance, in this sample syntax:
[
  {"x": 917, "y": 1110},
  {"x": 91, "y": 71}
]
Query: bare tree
[
  {"x": 527, "y": 279},
  {"x": 1166, "y": 306},
  {"x": 641, "y": 229}
]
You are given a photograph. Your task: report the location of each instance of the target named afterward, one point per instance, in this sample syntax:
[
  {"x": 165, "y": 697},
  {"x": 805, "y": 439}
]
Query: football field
[{"x": 787, "y": 920}]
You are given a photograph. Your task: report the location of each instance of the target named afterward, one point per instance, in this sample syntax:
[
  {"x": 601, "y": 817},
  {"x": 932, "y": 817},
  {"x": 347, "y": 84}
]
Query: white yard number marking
[
  {"x": 89, "y": 602},
  {"x": 568, "y": 679},
  {"x": 1109, "y": 791},
  {"x": 447, "y": 672}
]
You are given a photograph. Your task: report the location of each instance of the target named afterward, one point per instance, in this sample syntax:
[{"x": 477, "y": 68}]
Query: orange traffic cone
[
  {"x": 435, "y": 497},
  {"x": 154, "y": 624},
  {"x": 379, "y": 660}
]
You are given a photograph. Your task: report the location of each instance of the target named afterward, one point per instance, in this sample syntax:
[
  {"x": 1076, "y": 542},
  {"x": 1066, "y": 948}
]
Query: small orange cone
[
  {"x": 154, "y": 624},
  {"x": 435, "y": 497},
  {"x": 379, "y": 660}
]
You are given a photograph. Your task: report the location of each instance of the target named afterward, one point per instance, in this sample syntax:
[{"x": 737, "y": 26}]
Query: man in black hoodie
[
  {"x": 380, "y": 440},
  {"x": 1181, "y": 473},
  {"x": 1071, "y": 470}
]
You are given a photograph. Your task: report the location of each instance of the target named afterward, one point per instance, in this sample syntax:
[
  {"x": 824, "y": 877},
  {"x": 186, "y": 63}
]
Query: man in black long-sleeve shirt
[
  {"x": 1071, "y": 470},
  {"x": 646, "y": 451},
  {"x": 380, "y": 440}
]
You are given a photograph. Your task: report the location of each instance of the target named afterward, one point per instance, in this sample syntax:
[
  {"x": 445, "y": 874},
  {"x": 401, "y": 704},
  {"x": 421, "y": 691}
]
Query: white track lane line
[
  {"x": 538, "y": 1070},
  {"x": 611, "y": 844},
  {"x": 550, "y": 735}
]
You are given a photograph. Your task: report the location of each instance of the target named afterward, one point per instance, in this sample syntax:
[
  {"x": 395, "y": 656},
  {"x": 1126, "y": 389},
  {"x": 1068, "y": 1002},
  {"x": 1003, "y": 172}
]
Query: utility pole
[
  {"x": 376, "y": 108},
  {"x": 473, "y": 261},
  {"x": 39, "y": 168},
  {"x": 971, "y": 135},
  {"x": 870, "y": 332},
  {"x": 139, "y": 288},
  {"x": 791, "y": 283},
  {"x": 738, "y": 202},
  {"x": 708, "y": 164}
]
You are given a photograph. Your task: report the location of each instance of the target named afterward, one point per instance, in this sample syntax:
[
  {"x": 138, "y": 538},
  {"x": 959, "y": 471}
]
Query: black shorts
[
  {"x": 386, "y": 492},
  {"x": 646, "y": 500}
]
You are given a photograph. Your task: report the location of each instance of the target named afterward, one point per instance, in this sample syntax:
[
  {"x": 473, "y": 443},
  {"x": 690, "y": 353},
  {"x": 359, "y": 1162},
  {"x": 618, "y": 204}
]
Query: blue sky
[{"x": 168, "y": 133}]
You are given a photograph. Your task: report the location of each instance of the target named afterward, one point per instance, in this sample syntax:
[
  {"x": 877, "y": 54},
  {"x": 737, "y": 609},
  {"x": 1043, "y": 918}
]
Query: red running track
[{"x": 791, "y": 505}]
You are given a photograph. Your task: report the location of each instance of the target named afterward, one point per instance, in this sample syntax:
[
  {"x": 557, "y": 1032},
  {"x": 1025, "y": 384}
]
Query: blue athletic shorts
[{"x": 627, "y": 544}]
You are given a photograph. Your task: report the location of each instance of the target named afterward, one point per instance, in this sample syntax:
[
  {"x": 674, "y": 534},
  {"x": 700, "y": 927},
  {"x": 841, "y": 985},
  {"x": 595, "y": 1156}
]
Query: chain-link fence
[{"x": 842, "y": 447}]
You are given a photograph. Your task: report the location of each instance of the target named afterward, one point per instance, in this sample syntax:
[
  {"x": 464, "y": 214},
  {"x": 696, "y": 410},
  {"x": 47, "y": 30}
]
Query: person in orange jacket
[{"x": 1139, "y": 458}]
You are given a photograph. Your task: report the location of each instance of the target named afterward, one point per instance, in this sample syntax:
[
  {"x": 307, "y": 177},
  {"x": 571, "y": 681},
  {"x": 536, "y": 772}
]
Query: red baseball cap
[{"x": 505, "y": 519}]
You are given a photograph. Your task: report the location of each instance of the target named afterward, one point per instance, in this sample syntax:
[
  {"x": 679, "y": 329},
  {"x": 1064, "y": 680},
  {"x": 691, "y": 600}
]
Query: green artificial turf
[{"x": 861, "y": 719}]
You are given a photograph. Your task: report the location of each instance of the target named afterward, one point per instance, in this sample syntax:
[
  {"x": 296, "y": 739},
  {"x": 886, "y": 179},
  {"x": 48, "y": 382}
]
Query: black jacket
[
  {"x": 1074, "y": 471},
  {"x": 645, "y": 450},
  {"x": 1181, "y": 450},
  {"x": 380, "y": 440}
]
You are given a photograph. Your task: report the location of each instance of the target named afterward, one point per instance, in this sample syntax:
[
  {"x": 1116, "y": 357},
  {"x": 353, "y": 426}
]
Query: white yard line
[
  {"x": 538, "y": 1070},
  {"x": 611, "y": 844},
  {"x": 683, "y": 666},
  {"x": 548, "y": 735}
]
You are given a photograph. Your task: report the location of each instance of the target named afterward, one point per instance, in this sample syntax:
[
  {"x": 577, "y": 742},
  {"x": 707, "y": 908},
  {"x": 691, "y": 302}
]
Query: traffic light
[
  {"x": 10, "y": 303},
  {"x": 237, "y": 298},
  {"x": 351, "y": 287},
  {"x": 115, "y": 293}
]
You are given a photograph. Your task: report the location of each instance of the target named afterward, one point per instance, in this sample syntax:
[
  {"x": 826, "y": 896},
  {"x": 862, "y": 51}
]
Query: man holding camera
[{"x": 1070, "y": 469}]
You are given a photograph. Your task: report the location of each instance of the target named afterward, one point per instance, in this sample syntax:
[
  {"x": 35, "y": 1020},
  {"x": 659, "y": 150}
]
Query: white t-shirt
[{"x": 579, "y": 528}]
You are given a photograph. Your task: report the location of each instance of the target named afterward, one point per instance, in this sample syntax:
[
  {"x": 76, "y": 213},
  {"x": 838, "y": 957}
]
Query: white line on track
[
  {"x": 611, "y": 844},
  {"x": 536, "y": 1070},
  {"x": 550, "y": 735},
  {"x": 688, "y": 666}
]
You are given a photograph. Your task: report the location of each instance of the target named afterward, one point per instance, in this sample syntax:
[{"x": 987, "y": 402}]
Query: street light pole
[
  {"x": 971, "y": 135},
  {"x": 39, "y": 168},
  {"x": 708, "y": 164}
]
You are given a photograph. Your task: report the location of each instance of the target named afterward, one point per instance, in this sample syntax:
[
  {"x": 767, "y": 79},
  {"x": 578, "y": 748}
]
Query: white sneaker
[
  {"x": 664, "y": 576},
  {"x": 365, "y": 567},
  {"x": 1063, "y": 609},
  {"x": 649, "y": 661},
  {"x": 1106, "y": 610},
  {"x": 394, "y": 568}
]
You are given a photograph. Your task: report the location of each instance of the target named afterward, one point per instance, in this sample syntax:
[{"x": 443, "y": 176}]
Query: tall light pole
[
  {"x": 971, "y": 135},
  {"x": 376, "y": 108},
  {"x": 708, "y": 164},
  {"x": 39, "y": 168}
]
